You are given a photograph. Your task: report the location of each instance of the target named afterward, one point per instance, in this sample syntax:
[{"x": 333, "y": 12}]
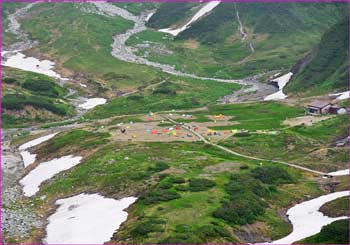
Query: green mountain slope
[
  {"x": 327, "y": 66},
  {"x": 277, "y": 35},
  {"x": 170, "y": 13}
]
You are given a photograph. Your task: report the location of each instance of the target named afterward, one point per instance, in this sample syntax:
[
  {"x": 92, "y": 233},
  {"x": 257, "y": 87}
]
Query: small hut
[{"x": 318, "y": 107}]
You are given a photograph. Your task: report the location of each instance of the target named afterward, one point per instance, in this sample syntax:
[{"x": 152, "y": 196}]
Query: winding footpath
[{"x": 202, "y": 138}]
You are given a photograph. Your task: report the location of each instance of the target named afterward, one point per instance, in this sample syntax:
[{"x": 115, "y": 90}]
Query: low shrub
[
  {"x": 145, "y": 227},
  {"x": 200, "y": 184},
  {"x": 9, "y": 80},
  {"x": 159, "y": 195},
  {"x": 272, "y": 175},
  {"x": 43, "y": 87},
  {"x": 158, "y": 167},
  {"x": 181, "y": 187}
]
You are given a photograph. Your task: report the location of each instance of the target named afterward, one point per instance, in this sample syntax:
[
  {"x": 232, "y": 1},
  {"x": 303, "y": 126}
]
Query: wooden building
[{"x": 318, "y": 107}]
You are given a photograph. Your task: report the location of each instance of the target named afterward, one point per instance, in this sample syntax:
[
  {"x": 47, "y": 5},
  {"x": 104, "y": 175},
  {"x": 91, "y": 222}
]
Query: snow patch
[
  {"x": 340, "y": 172},
  {"x": 45, "y": 171},
  {"x": 27, "y": 157},
  {"x": 306, "y": 218},
  {"x": 341, "y": 96},
  {"x": 282, "y": 82},
  {"x": 205, "y": 9},
  {"x": 86, "y": 219},
  {"x": 93, "y": 102},
  {"x": 149, "y": 16},
  {"x": 20, "y": 61}
]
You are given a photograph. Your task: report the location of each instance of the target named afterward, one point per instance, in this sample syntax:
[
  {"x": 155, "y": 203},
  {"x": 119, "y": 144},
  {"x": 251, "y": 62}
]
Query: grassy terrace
[
  {"x": 309, "y": 146},
  {"x": 32, "y": 98}
]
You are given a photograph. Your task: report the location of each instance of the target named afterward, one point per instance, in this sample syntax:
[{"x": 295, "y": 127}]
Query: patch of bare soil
[
  {"x": 182, "y": 116},
  {"x": 222, "y": 167},
  {"x": 173, "y": 170},
  {"x": 148, "y": 132},
  {"x": 191, "y": 44},
  {"x": 220, "y": 118},
  {"x": 253, "y": 233},
  {"x": 305, "y": 120}
]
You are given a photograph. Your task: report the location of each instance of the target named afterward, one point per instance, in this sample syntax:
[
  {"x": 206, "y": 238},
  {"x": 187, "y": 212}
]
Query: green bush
[
  {"x": 165, "y": 185},
  {"x": 181, "y": 187},
  {"x": 158, "y": 167},
  {"x": 212, "y": 231},
  {"x": 42, "y": 87},
  {"x": 243, "y": 209},
  {"x": 248, "y": 192},
  {"x": 200, "y": 184},
  {"x": 272, "y": 175},
  {"x": 17, "y": 102},
  {"x": 334, "y": 233},
  {"x": 9, "y": 80},
  {"x": 178, "y": 180},
  {"x": 145, "y": 227},
  {"x": 164, "y": 90},
  {"x": 159, "y": 195}
]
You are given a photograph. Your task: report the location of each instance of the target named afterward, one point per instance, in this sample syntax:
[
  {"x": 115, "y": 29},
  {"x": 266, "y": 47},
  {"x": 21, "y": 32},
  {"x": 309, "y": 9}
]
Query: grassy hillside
[
  {"x": 136, "y": 7},
  {"x": 281, "y": 34},
  {"x": 31, "y": 98},
  {"x": 334, "y": 233},
  {"x": 180, "y": 199},
  {"x": 336, "y": 208},
  {"x": 80, "y": 43},
  {"x": 170, "y": 13},
  {"x": 327, "y": 69},
  {"x": 175, "y": 93}
]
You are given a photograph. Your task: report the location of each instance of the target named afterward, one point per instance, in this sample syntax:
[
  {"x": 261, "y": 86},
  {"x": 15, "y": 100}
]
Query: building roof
[{"x": 319, "y": 104}]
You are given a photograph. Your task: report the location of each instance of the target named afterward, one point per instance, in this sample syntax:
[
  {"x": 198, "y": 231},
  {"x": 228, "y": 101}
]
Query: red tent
[{"x": 154, "y": 131}]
